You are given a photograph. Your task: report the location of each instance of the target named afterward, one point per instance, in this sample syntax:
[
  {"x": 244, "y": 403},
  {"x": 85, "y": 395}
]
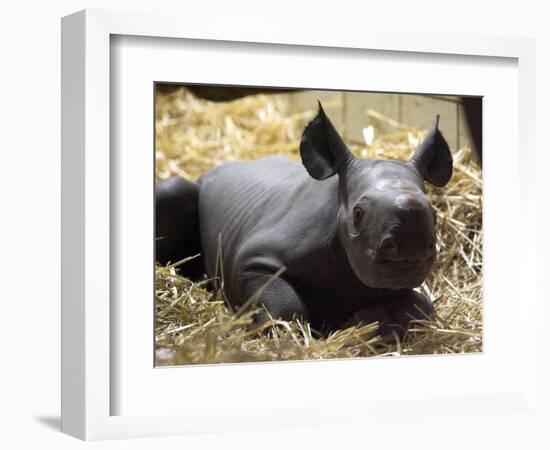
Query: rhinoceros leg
[
  {"x": 395, "y": 314},
  {"x": 277, "y": 297},
  {"x": 177, "y": 234},
  {"x": 368, "y": 315},
  {"x": 407, "y": 307}
]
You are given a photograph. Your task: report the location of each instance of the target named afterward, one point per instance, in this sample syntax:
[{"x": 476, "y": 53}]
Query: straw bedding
[{"x": 195, "y": 325}]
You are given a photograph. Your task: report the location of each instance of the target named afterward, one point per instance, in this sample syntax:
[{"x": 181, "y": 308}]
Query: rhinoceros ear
[
  {"x": 433, "y": 158},
  {"x": 322, "y": 149}
]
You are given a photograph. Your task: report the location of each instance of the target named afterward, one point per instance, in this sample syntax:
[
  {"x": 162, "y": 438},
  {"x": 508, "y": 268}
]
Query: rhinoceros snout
[
  {"x": 407, "y": 228},
  {"x": 406, "y": 249}
]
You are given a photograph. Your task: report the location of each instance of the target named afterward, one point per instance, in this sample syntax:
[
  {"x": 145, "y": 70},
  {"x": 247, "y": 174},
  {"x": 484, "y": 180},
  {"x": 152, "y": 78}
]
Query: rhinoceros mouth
[
  {"x": 392, "y": 274},
  {"x": 400, "y": 274},
  {"x": 406, "y": 264},
  {"x": 405, "y": 281}
]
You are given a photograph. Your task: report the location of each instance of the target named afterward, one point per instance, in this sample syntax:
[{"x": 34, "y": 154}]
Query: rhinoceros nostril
[
  {"x": 388, "y": 243},
  {"x": 387, "y": 247}
]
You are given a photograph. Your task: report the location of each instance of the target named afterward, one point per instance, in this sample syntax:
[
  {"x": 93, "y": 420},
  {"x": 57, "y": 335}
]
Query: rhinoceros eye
[{"x": 357, "y": 215}]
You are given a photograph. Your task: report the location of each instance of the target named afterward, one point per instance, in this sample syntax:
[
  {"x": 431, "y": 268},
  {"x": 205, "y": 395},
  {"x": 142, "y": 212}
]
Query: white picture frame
[{"x": 88, "y": 323}]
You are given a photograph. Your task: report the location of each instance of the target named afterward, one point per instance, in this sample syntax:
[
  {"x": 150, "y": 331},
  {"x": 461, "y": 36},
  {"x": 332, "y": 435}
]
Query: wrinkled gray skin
[{"x": 355, "y": 235}]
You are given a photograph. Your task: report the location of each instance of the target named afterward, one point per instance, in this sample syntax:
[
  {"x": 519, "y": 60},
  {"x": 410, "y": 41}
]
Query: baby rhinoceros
[{"x": 354, "y": 236}]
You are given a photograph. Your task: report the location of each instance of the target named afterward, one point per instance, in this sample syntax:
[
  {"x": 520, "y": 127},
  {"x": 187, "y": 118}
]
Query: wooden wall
[{"x": 348, "y": 112}]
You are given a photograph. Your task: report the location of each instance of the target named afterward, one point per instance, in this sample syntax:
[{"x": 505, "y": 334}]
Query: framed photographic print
[{"x": 247, "y": 246}]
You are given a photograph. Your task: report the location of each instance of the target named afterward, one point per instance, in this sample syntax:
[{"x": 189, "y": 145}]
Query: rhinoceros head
[{"x": 385, "y": 222}]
